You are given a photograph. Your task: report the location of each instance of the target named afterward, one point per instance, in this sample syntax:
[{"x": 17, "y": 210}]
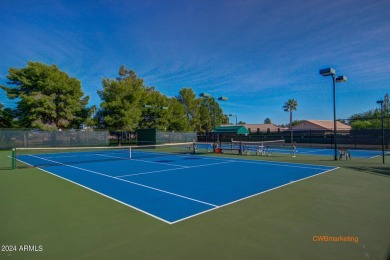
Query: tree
[
  {"x": 48, "y": 98},
  {"x": 6, "y": 117},
  {"x": 386, "y": 110},
  {"x": 178, "y": 120},
  {"x": 225, "y": 119},
  {"x": 362, "y": 124},
  {"x": 296, "y": 122},
  {"x": 157, "y": 114},
  {"x": 386, "y": 104},
  {"x": 211, "y": 114},
  {"x": 219, "y": 115},
  {"x": 267, "y": 121},
  {"x": 289, "y": 106},
  {"x": 372, "y": 119},
  {"x": 188, "y": 99},
  {"x": 206, "y": 116},
  {"x": 120, "y": 107},
  {"x": 366, "y": 120},
  {"x": 92, "y": 119}
]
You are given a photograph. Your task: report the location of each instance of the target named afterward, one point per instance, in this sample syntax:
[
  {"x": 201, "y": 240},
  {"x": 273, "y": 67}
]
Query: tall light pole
[
  {"x": 332, "y": 72},
  {"x": 155, "y": 112},
  {"x": 234, "y": 116},
  {"x": 207, "y": 95},
  {"x": 383, "y": 132}
]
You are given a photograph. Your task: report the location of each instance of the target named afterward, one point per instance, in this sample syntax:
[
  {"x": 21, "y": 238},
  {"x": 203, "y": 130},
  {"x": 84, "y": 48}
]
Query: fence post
[{"x": 13, "y": 159}]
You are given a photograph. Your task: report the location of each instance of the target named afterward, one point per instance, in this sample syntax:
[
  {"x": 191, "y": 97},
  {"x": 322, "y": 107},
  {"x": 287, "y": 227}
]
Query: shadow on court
[{"x": 377, "y": 170}]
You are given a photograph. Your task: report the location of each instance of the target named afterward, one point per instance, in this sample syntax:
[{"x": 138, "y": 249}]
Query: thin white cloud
[{"x": 237, "y": 48}]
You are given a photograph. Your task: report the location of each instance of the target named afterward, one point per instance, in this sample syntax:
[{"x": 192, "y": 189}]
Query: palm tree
[{"x": 289, "y": 106}]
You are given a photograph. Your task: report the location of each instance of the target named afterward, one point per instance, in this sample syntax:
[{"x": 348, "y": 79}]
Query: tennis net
[
  {"x": 256, "y": 145},
  {"x": 55, "y": 156},
  {"x": 145, "y": 151}
]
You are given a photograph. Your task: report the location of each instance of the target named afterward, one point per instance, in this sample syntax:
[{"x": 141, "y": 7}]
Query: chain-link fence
[
  {"x": 357, "y": 139},
  {"x": 11, "y": 138},
  {"x": 175, "y": 137}
]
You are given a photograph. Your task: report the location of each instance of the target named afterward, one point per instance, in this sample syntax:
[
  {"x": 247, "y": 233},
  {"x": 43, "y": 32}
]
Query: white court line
[
  {"x": 225, "y": 159},
  {"x": 170, "y": 164},
  {"x": 285, "y": 164},
  {"x": 84, "y": 155},
  {"x": 63, "y": 154},
  {"x": 135, "y": 183},
  {"x": 166, "y": 170},
  {"x": 313, "y": 151},
  {"x": 175, "y": 169},
  {"x": 102, "y": 194},
  {"x": 149, "y": 214},
  {"x": 69, "y": 156},
  {"x": 250, "y": 196},
  {"x": 105, "y": 195},
  {"x": 377, "y": 155}
]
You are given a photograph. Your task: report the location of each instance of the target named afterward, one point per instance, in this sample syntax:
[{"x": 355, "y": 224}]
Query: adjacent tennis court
[
  {"x": 279, "y": 146},
  {"x": 355, "y": 153},
  {"x": 168, "y": 183}
]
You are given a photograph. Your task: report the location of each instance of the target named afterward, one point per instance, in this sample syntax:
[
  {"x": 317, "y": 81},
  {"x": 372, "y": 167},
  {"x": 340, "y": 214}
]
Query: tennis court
[
  {"x": 327, "y": 152},
  {"x": 169, "y": 184},
  {"x": 279, "y": 146},
  {"x": 330, "y": 152}
]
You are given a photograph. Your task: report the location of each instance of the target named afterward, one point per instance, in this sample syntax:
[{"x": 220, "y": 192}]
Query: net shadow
[
  {"x": 22, "y": 164},
  {"x": 377, "y": 170}
]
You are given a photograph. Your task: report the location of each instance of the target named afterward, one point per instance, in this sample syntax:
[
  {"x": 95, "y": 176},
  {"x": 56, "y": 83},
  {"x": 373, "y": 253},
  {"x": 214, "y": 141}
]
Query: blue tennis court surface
[
  {"x": 307, "y": 151},
  {"x": 172, "y": 188},
  {"x": 330, "y": 152}
]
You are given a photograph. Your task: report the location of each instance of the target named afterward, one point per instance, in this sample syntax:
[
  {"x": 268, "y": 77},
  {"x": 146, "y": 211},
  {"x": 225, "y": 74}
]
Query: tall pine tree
[{"x": 48, "y": 98}]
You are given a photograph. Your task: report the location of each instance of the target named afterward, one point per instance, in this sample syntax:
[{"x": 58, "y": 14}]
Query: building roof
[
  {"x": 230, "y": 129},
  {"x": 264, "y": 127},
  {"x": 321, "y": 124}
]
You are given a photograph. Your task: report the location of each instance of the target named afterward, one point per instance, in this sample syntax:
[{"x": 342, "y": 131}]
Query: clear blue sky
[{"x": 258, "y": 53}]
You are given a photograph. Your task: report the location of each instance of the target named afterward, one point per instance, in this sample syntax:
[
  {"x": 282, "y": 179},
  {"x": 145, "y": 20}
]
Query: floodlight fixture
[
  {"x": 205, "y": 95},
  {"x": 328, "y": 72},
  {"x": 341, "y": 79},
  {"x": 223, "y": 98}
]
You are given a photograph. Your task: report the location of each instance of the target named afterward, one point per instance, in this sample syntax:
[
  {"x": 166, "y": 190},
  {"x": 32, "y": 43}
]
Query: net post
[
  {"x": 13, "y": 159},
  {"x": 130, "y": 152},
  {"x": 194, "y": 147}
]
